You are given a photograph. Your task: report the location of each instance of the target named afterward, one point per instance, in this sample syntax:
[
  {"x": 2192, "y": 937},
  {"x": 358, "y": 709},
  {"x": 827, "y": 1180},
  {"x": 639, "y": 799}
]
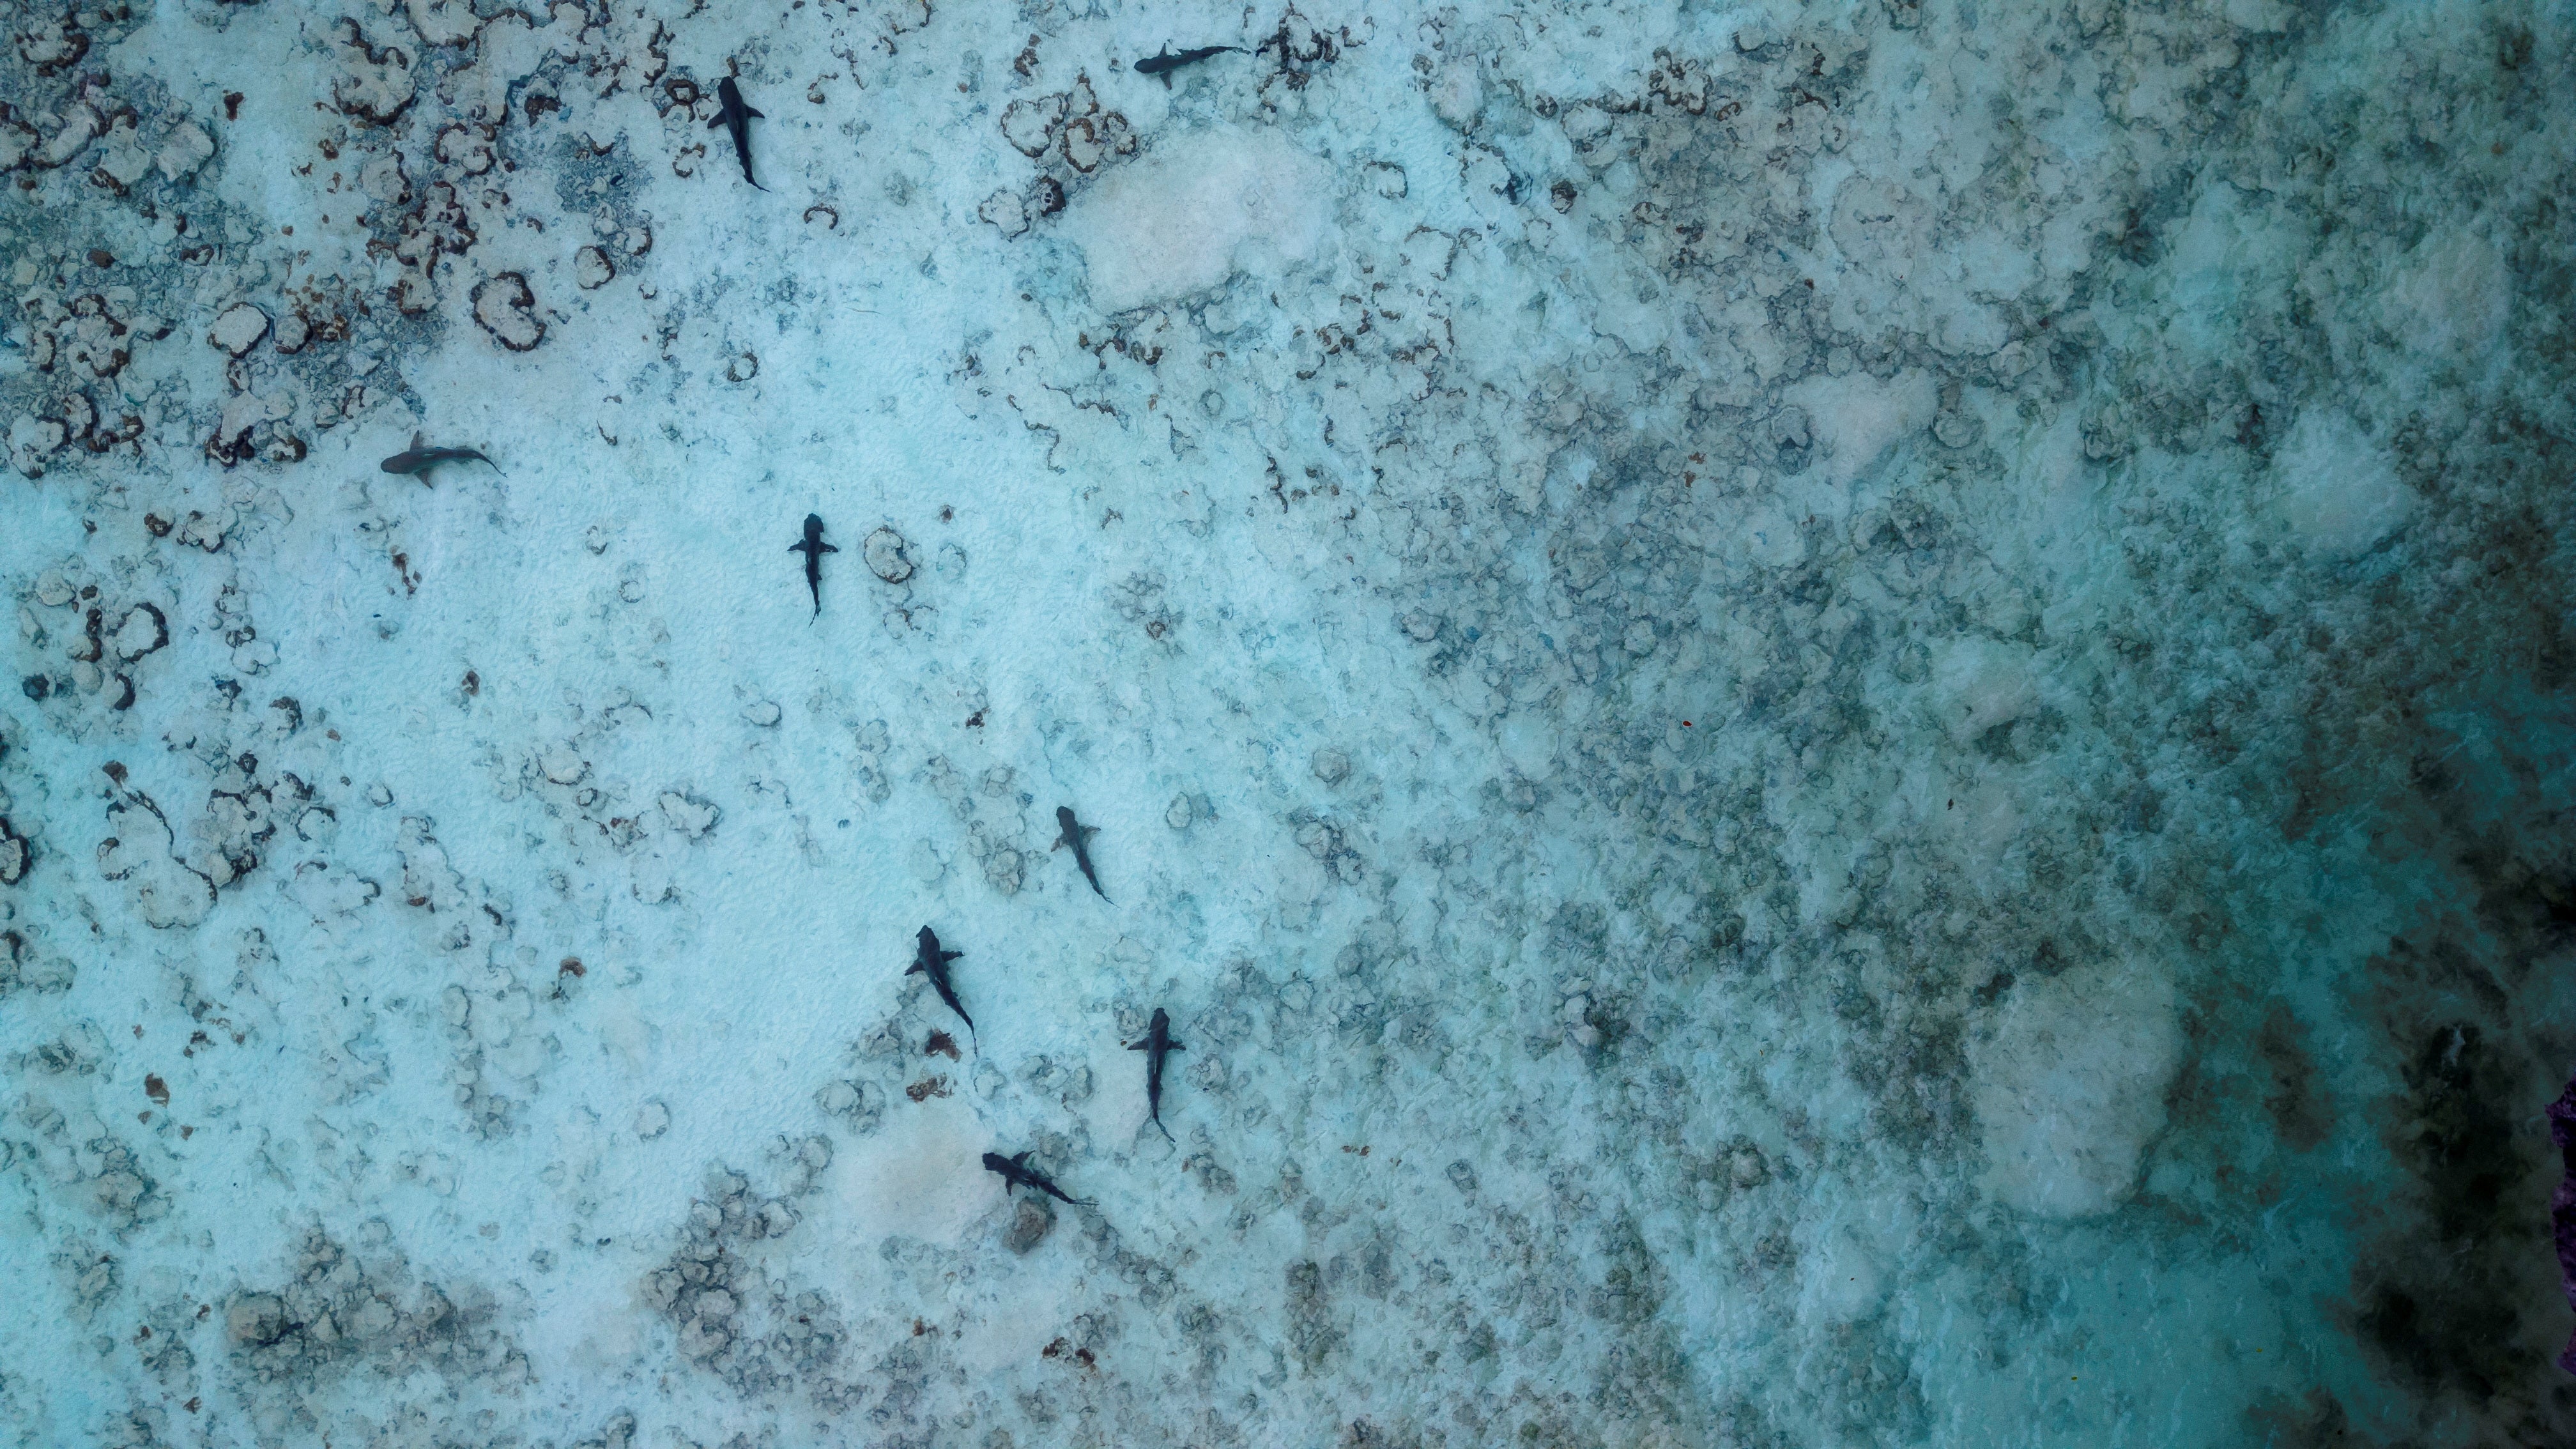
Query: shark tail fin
[{"x": 1166, "y": 1131}]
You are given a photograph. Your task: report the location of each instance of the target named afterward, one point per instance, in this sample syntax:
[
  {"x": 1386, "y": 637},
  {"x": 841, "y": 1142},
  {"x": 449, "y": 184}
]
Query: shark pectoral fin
[
  {"x": 830, "y": 548},
  {"x": 1173, "y": 1046},
  {"x": 748, "y": 111},
  {"x": 1052, "y": 849},
  {"x": 1135, "y": 1046},
  {"x": 913, "y": 969}
]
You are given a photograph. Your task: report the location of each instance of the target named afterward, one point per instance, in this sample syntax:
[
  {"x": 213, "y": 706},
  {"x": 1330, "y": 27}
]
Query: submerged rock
[{"x": 1030, "y": 1222}]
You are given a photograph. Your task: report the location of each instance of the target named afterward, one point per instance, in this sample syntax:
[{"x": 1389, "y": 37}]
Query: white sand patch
[
  {"x": 1196, "y": 212},
  {"x": 1768, "y": 536},
  {"x": 2342, "y": 491},
  {"x": 2452, "y": 298},
  {"x": 921, "y": 1177},
  {"x": 1856, "y": 417},
  {"x": 2070, "y": 1081},
  {"x": 1982, "y": 683}
]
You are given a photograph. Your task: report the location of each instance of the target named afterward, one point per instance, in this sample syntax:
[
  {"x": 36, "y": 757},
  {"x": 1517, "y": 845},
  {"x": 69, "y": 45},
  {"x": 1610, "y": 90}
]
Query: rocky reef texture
[
  {"x": 1838, "y": 726},
  {"x": 2562, "y": 1205}
]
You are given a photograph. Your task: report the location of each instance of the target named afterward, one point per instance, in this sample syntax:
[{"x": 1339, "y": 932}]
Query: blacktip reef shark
[
  {"x": 736, "y": 117},
  {"x": 420, "y": 457},
  {"x": 1016, "y": 1172},
  {"x": 932, "y": 962},
  {"x": 1157, "y": 1041},
  {"x": 1164, "y": 64},
  {"x": 814, "y": 548}
]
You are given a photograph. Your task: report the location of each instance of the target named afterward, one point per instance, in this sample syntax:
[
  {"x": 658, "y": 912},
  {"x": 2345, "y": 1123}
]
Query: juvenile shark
[
  {"x": 736, "y": 117},
  {"x": 813, "y": 548},
  {"x": 1158, "y": 1040},
  {"x": 1075, "y": 833},
  {"x": 1016, "y": 1172},
  {"x": 419, "y": 458},
  {"x": 1164, "y": 64},
  {"x": 932, "y": 962}
]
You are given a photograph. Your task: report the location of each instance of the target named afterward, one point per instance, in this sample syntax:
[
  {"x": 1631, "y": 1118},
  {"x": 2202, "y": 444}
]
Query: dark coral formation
[{"x": 2562, "y": 1205}]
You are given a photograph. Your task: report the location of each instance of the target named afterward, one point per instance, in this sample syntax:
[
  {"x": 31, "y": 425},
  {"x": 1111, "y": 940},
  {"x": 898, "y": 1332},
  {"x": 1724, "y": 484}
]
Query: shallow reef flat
[{"x": 1758, "y": 726}]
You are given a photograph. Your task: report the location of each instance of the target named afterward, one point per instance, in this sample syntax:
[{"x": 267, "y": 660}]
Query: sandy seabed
[{"x": 1828, "y": 727}]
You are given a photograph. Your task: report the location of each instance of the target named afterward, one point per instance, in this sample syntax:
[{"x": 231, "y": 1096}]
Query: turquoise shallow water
[{"x": 1834, "y": 726}]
